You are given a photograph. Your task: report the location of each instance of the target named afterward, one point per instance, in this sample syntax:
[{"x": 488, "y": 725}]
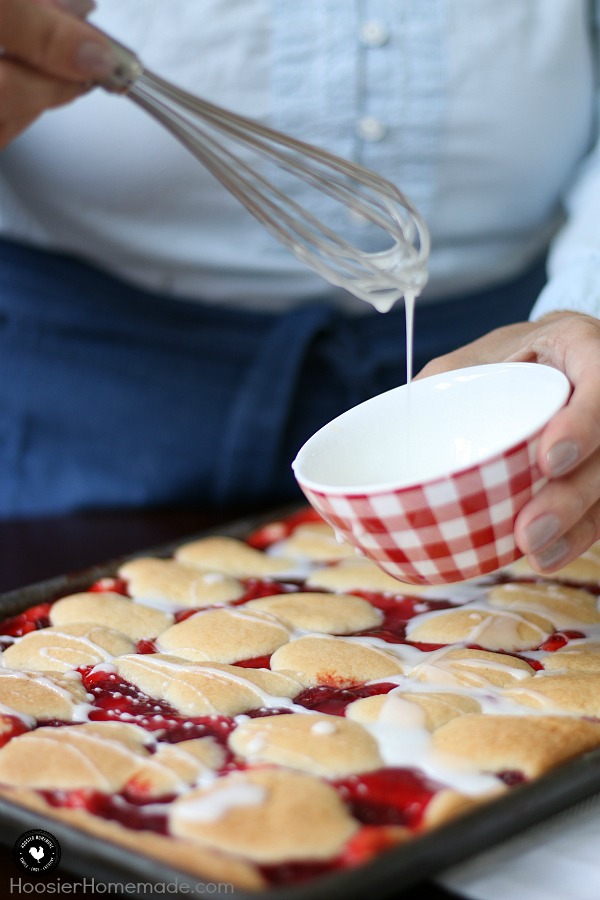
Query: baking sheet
[{"x": 389, "y": 874}]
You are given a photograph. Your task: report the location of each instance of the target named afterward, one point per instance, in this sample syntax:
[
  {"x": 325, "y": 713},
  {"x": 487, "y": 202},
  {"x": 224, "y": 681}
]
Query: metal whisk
[{"x": 380, "y": 277}]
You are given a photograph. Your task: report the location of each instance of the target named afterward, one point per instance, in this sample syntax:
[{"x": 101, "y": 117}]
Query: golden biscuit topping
[
  {"x": 316, "y": 541},
  {"x": 429, "y": 710},
  {"x": 356, "y": 574},
  {"x": 574, "y": 692},
  {"x": 64, "y": 648},
  {"x": 514, "y": 630},
  {"x": 271, "y": 705},
  {"x": 101, "y": 755},
  {"x": 322, "y": 745},
  {"x": 43, "y": 695},
  {"x": 233, "y": 557},
  {"x": 565, "y": 607},
  {"x": 224, "y": 635},
  {"x": 332, "y": 661},
  {"x": 584, "y": 658},
  {"x": 112, "y": 610},
  {"x": 178, "y": 584},
  {"x": 175, "y": 767},
  {"x": 472, "y": 668},
  {"x": 243, "y": 813},
  {"x": 320, "y": 612},
  {"x": 528, "y": 744},
  {"x": 199, "y": 689}
]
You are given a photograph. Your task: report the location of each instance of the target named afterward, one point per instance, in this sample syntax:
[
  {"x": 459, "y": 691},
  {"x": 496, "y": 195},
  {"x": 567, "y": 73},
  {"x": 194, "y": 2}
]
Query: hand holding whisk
[{"x": 380, "y": 277}]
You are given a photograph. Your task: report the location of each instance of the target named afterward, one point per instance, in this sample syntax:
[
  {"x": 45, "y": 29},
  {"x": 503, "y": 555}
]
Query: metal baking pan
[{"x": 390, "y": 874}]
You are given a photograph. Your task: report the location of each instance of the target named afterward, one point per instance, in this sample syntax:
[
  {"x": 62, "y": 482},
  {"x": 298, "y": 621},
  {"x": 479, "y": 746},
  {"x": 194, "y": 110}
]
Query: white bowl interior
[{"x": 433, "y": 427}]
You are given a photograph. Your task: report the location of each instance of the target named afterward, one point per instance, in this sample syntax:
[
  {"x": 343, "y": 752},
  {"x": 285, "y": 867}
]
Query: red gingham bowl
[{"x": 427, "y": 481}]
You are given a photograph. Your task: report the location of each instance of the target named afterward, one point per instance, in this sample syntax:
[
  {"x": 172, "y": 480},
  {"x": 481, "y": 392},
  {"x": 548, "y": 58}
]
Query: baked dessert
[{"x": 260, "y": 711}]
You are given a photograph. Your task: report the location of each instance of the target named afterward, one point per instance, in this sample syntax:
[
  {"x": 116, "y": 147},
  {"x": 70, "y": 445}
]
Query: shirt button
[
  {"x": 369, "y": 128},
  {"x": 373, "y": 33}
]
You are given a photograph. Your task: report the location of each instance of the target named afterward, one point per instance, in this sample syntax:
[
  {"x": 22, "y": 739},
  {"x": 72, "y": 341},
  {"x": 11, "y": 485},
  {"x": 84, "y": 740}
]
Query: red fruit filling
[
  {"x": 274, "y": 532},
  {"x": 255, "y": 588},
  {"x": 146, "y": 816},
  {"x": 392, "y": 796},
  {"x": 368, "y": 842},
  {"x": 559, "y": 639},
  {"x": 112, "y": 695},
  {"x": 257, "y": 662},
  {"x": 32, "y": 619},
  {"x": 146, "y": 646},
  {"x": 534, "y": 663},
  {"x": 11, "y": 726},
  {"x": 295, "y": 873},
  {"x": 381, "y": 801},
  {"x": 111, "y": 585},
  {"x": 263, "y": 711},
  {"x": 397, "y": 611},
  {"x": 334, "y": 700},
  {"x": 511, "y": 777},
  {"x": 118, "y": 700}
]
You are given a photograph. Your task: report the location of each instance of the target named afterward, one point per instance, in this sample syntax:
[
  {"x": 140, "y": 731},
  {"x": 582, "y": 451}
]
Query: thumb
[
  {"x": 78, "y": 8},
  {"x": 43, "y": 37}
]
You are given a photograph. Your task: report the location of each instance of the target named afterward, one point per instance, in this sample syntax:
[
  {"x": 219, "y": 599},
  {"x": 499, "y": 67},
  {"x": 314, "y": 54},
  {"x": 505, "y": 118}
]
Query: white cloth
[
  {"x": 482, "y": 112},
  {"x": 554, "y": 861}
]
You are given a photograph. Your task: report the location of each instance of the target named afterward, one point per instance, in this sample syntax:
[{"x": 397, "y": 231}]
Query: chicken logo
[{"x": 37, "y": 852}]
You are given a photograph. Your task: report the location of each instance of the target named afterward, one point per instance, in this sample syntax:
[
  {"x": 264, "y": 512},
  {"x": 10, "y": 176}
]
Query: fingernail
[
  {"x": 553, "y": 554},
  {"x": 79, "y": 8},
  {"x": 541, "y": 531},
  {"x": 561, "y": 457},
  {"x": 96, "y": 60}
]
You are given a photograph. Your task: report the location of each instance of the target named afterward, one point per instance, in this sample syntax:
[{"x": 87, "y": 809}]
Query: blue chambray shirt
[{"x": 484, "y": 114}]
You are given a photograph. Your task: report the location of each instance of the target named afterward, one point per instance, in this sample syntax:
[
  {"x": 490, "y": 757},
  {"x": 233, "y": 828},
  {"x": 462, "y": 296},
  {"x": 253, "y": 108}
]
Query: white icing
[
  {"x": 29, "y": 721},
  {"x": 209, "y": 578},
  {"x": 222, "y": 800},
  {"x": 160, "y": 603},
  {"x": 108, "y": 667},
  {"x": 268, "y": 701},
  {"x": 257, "y": 616},
  {"x": 399, "y": 731},
  {"x": 256, "y": 745},
  {"x": 323, "y": 727}
]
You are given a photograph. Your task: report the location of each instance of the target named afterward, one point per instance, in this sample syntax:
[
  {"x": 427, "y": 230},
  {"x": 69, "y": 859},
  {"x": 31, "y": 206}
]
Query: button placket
[
  {"x": 373, "y": 33},
  {"x": 371, "y": 128}
]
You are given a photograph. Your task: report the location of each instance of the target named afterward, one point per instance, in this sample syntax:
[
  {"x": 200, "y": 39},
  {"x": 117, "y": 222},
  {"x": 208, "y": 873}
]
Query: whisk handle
[{"x": 129, "y": 68}]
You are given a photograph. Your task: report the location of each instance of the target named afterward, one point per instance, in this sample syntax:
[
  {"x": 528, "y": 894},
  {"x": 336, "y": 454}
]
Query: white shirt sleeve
[{"x": 574, "y": 257}]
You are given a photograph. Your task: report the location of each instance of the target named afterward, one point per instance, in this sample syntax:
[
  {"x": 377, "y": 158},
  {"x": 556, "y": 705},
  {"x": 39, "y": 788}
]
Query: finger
[
  {"x": 78, "y": 8},
  {"x": 458, "y": 359},
  {"x": 54, "y": 43},
  {"x": 25, "y": 94},
  {"x": 498, "y": 345},
  {"x": 563, "y": 519},
  {"x": 569, "y": 546},
  {"x": 573, "y": 435}
]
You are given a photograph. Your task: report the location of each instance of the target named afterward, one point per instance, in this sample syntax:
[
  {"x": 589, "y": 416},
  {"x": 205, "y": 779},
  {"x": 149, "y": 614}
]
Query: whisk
[{"x": 380, "y": 277}]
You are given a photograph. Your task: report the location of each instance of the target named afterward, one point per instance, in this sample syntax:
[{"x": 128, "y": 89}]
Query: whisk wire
[
  {"x": 214, "y": 156},
  {"x": 299, "y": 225},
  {"x": 269, "y": 142},
  {"x": 380, "y": 276}
]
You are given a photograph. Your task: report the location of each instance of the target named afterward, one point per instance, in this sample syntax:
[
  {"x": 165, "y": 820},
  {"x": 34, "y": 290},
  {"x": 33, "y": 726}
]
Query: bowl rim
[{"x": 564, "y": 390}]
